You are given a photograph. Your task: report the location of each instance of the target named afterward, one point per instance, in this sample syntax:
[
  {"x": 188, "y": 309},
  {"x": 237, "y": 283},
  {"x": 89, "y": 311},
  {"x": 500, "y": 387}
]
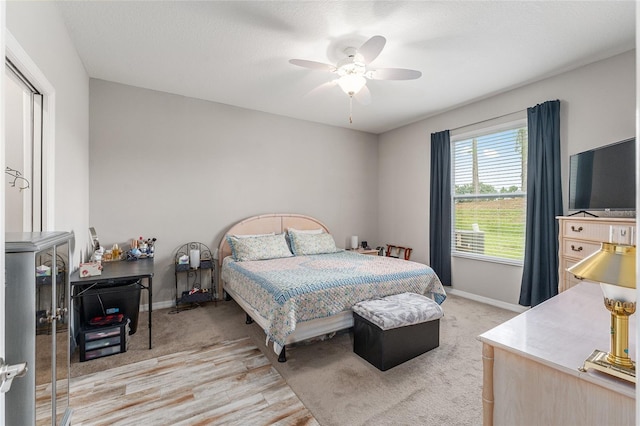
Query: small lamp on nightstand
[
  {"x": 614, "y": 266},
  {"x": 354, "y": 242}
]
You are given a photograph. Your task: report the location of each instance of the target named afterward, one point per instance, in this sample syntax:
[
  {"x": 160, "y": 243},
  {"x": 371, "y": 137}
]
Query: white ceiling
[{"x": 237, "y": 52}]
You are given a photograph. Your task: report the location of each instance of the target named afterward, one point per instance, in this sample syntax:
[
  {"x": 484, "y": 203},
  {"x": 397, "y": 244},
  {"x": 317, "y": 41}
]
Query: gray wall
[
  {"x": 40, "y": 31},
  {"x": 597, "y": 108},
  {"x": 182, "y": 169},
  {"x": 149, "y": 150}
]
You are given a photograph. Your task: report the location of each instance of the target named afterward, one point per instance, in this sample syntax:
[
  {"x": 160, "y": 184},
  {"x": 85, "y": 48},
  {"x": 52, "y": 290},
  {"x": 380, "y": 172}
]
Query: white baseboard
[{"x": 488, "y": 301}]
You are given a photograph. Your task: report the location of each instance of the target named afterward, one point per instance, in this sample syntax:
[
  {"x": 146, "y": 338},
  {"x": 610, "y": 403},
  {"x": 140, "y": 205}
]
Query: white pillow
[
  {"x": 254, "y": 235},
  {"x": 307, "y": 231},
  {"x": 305, "y": 244},
  {"x": 259, "y": 247}
]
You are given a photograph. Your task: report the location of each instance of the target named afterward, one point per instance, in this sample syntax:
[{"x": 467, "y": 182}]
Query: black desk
[{"x": 112, "y": 272}]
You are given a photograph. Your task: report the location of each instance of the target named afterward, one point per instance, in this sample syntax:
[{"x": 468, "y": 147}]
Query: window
[{"x": 489, "y": 193}]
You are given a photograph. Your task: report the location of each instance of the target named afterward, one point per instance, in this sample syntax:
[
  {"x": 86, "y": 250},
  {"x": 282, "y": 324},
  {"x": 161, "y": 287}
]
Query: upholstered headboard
[{"x": 263, "y": 224}]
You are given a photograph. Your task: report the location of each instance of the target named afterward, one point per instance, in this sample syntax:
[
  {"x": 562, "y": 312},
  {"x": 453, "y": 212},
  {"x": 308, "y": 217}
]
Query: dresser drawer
[
  {"x": 579, "y": 249},
  {"x": 586, "y": 231},
  {"x": 567, "y": 279}
]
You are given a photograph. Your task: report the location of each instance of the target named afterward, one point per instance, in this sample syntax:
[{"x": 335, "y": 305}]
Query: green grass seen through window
[{"x": 501, "y": 222}]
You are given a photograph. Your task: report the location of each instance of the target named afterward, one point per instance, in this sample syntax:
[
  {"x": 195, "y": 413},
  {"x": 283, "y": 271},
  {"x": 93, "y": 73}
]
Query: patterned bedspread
[{"x": 291, "y": 290}]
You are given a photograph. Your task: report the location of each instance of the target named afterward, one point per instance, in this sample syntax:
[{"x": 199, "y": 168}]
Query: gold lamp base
[{"x": 598, "y": 361}]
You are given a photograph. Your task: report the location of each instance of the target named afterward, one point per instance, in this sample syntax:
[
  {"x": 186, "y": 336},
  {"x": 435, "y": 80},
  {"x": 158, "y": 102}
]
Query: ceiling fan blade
[
  {"x": 372, "y": 48},
  {"x": 363, "y": 96},
  {"x": 322, "y": 88},
  {"x": 312, "y": 65},
  {"x": 394, "y": 74}
]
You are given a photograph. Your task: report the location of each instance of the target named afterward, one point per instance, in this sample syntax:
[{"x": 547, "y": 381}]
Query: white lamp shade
[
  {"x": 351, "y": 84},
  {"x": 615, "y": 292}
]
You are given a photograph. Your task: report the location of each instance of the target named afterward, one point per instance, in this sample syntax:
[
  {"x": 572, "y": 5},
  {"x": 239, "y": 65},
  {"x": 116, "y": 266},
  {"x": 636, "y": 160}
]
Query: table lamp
[{"x": 614, "y": 266}]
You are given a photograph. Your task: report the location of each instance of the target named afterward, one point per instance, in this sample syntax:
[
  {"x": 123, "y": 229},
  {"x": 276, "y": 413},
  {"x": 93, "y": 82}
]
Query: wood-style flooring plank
[{"x": 231, "y": 383}]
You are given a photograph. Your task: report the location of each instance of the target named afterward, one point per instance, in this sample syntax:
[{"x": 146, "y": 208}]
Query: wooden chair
[{"x": 397, "y": 250}]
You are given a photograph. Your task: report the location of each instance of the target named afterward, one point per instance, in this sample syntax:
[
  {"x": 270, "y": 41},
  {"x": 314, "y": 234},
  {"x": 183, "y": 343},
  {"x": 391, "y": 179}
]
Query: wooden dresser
[
  {"x": 581, "y": 236},
  {"x": 530, "y": 366}
]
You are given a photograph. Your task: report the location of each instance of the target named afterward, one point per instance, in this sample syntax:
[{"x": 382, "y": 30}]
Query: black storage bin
[
  {"x": 119, "y": 297},
  {"x": 385, "y": 349}
]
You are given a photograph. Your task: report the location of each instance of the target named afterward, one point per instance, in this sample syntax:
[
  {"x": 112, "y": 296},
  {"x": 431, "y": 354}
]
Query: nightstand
[{"x": 372, "y": 252}]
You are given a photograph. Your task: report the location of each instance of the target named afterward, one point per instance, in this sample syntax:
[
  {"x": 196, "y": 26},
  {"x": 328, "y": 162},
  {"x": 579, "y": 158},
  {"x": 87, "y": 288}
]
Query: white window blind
[{"x": 489, "y": 193}]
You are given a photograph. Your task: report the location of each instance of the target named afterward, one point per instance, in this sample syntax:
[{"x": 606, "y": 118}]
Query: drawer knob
[
  {"x": 574, "y": 248},
  {"x": 574, "y": 229}
]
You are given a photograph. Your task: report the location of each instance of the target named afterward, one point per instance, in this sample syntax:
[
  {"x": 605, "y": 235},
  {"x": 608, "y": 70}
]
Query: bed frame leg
[
  {"x": 283, "y": 356},
  {"x": 227, "y": 297},
  {"x": 249, "y": 320}
]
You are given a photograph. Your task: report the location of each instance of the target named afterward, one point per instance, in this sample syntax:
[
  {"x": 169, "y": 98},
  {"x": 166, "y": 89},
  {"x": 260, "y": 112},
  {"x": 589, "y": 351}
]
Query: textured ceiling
[{"x": 237, "y": 52}]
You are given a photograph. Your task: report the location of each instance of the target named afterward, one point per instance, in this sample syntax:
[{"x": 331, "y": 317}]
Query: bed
[{"x": 298, "y": 285}]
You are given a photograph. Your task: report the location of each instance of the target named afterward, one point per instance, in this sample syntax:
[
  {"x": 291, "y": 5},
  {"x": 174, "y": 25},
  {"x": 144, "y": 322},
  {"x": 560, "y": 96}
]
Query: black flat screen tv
[{"x": 604, "y": 179}]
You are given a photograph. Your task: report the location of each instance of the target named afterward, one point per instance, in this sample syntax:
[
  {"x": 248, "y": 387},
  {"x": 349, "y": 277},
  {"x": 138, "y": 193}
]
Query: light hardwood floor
[{"x": 231, "y": 383}]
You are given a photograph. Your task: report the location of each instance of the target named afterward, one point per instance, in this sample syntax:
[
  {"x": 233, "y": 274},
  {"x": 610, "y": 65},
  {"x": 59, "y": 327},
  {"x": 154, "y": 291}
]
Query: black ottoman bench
[{"x": 395, "y": 329}]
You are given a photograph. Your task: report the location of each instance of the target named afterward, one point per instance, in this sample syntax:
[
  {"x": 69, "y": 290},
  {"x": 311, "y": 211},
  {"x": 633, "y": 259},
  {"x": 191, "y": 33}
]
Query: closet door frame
[
  {"x": 21, "y": 60},
  {"x": 23, "y": 152}
]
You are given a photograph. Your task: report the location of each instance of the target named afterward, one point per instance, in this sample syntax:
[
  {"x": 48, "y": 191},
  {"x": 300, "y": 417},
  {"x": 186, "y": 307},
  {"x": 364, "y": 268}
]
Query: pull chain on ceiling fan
[{"x": 353, "y": 70}]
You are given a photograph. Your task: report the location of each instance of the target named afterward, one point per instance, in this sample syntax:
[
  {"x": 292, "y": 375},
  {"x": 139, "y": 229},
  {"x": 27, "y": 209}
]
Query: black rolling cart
[{"x": 104, "y": 340}]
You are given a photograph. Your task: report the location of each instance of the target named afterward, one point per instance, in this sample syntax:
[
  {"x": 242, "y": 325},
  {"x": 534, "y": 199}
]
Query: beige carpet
[{"x": 443, "y": 386}]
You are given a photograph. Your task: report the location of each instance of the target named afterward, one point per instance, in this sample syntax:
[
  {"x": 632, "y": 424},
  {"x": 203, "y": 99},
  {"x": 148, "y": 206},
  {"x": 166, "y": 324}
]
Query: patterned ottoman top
[{"x": 399, "y": 310}]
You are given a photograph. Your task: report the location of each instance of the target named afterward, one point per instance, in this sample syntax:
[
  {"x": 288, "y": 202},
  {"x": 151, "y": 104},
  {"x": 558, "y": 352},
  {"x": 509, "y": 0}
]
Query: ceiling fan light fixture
[
  {"x": 350, "y": 66},
  {"x": 351, "y": 84},
  {"x": 352, "y": 70}
]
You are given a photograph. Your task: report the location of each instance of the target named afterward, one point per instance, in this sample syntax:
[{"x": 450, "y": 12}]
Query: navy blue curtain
[
  {"x": 544, "y": 203},
  {"x": 440, "y": 206}
]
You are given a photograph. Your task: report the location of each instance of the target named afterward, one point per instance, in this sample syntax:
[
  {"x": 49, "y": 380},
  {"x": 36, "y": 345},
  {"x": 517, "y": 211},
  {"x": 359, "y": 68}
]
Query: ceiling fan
[{"x": 353, "y": 71}]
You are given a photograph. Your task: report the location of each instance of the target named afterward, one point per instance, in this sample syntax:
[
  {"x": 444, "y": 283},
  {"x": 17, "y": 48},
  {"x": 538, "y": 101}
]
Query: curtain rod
[{"x": 488, "y": 119}]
